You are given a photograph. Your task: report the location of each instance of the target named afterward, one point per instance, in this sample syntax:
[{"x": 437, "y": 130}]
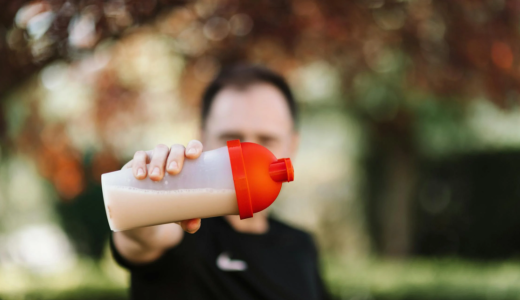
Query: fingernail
[
  {"x": 191, "y": 151},
  {"x": 156, "y": 171},
  {"x": 140, "y": 172},
  {"x": 173, "y": 166}
]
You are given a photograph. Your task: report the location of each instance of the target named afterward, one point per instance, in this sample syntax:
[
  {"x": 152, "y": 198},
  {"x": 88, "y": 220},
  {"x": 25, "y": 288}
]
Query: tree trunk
[
  {"x": 391, "y": 181},
  {"x": 396, "y": 202}
]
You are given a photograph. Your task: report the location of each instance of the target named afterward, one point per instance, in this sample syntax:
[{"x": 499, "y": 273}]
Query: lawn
[{"x": 377, "y": 279}]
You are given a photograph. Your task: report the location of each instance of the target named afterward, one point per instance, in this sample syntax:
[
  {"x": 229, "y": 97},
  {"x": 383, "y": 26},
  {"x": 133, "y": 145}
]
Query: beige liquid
[{"x": 129, "y": 208}]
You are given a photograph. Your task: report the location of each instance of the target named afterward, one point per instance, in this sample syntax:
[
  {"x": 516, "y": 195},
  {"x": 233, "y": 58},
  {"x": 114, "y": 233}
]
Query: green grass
[
  {"x": 423, "y": 279},
  {"x": 85, "y": 280},
  {"x": 376, "y": 279},
  {"x": 82, "y": 293}
]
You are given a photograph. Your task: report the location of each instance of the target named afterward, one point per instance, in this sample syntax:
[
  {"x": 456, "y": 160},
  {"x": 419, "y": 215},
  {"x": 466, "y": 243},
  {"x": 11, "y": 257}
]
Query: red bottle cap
[{"x": 257, "y": 175}]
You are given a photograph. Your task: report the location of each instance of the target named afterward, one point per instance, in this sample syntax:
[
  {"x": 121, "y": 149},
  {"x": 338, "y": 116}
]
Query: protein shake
[{"x": 241, "y": 178}]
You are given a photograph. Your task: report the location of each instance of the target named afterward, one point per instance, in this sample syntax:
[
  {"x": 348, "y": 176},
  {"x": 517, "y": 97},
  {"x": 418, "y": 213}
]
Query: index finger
[{"x": 141, "y": 158}]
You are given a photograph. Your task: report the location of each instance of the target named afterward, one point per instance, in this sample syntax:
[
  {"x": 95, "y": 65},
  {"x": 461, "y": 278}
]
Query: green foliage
[{"x": 84, "y": 220}]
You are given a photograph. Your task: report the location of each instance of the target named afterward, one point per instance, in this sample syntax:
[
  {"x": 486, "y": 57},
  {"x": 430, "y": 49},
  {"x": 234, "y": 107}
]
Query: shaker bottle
[{"x": 241, "y": 178}]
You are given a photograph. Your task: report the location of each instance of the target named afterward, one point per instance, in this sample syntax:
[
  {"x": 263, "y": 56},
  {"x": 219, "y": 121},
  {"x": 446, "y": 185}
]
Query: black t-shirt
[{"x": 218, "y": 262}]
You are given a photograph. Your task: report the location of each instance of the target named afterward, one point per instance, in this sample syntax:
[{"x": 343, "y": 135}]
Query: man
[{"x": 228, "y": 258}]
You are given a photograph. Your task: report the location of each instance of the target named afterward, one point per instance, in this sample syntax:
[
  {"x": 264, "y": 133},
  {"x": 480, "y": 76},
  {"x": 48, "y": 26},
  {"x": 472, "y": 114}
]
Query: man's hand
[{"x": 147, "y": 244}]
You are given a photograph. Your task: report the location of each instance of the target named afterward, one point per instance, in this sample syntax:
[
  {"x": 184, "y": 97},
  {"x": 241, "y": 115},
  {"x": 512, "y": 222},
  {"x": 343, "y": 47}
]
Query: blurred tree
[{"x": 390, "y": 54}]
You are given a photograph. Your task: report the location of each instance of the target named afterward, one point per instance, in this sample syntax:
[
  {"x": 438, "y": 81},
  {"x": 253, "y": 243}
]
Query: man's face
[{"x": 259, "y": 114}]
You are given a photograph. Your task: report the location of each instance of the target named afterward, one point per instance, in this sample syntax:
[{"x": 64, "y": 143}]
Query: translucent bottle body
[{"x": 204, "y": 188}]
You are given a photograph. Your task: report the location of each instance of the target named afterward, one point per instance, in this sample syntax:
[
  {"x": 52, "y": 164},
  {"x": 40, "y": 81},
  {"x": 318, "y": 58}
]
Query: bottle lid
[{"x": 257, "y": 176}]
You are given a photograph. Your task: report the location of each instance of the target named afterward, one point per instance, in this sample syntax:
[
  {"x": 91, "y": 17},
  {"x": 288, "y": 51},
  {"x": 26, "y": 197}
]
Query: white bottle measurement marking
[{"x": 131, "y": 207}]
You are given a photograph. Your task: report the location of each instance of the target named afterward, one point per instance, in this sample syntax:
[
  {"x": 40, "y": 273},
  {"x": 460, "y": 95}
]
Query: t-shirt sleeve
[{"x": 167, "y": 260}]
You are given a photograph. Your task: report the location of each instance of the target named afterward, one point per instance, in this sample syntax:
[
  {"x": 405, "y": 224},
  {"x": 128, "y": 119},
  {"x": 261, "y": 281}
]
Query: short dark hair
[{"x": 243, "y": 76}]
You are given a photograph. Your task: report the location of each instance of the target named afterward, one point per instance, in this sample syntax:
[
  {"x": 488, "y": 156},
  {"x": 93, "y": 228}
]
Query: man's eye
[{"x": 268, "y": 142}]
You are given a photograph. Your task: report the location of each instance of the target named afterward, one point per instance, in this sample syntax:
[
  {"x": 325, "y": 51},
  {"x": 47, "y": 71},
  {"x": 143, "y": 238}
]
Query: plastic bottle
[{"x": 242, "y": 178}]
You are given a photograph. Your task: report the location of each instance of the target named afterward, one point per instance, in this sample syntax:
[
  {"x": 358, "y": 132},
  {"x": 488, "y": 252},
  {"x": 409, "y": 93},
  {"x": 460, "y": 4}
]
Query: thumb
[{"x": 190, "y": 226}]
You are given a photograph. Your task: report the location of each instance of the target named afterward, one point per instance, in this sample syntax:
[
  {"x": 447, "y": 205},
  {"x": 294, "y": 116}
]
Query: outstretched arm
[{"x": 142, "y": 245}]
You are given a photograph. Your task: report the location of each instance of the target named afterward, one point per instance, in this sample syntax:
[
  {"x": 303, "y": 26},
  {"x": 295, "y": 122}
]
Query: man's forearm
[{"x": 146, "y": 244}]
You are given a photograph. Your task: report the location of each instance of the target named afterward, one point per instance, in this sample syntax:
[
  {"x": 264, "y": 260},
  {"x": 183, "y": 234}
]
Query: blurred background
[{"x": 408, "y": 173}]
